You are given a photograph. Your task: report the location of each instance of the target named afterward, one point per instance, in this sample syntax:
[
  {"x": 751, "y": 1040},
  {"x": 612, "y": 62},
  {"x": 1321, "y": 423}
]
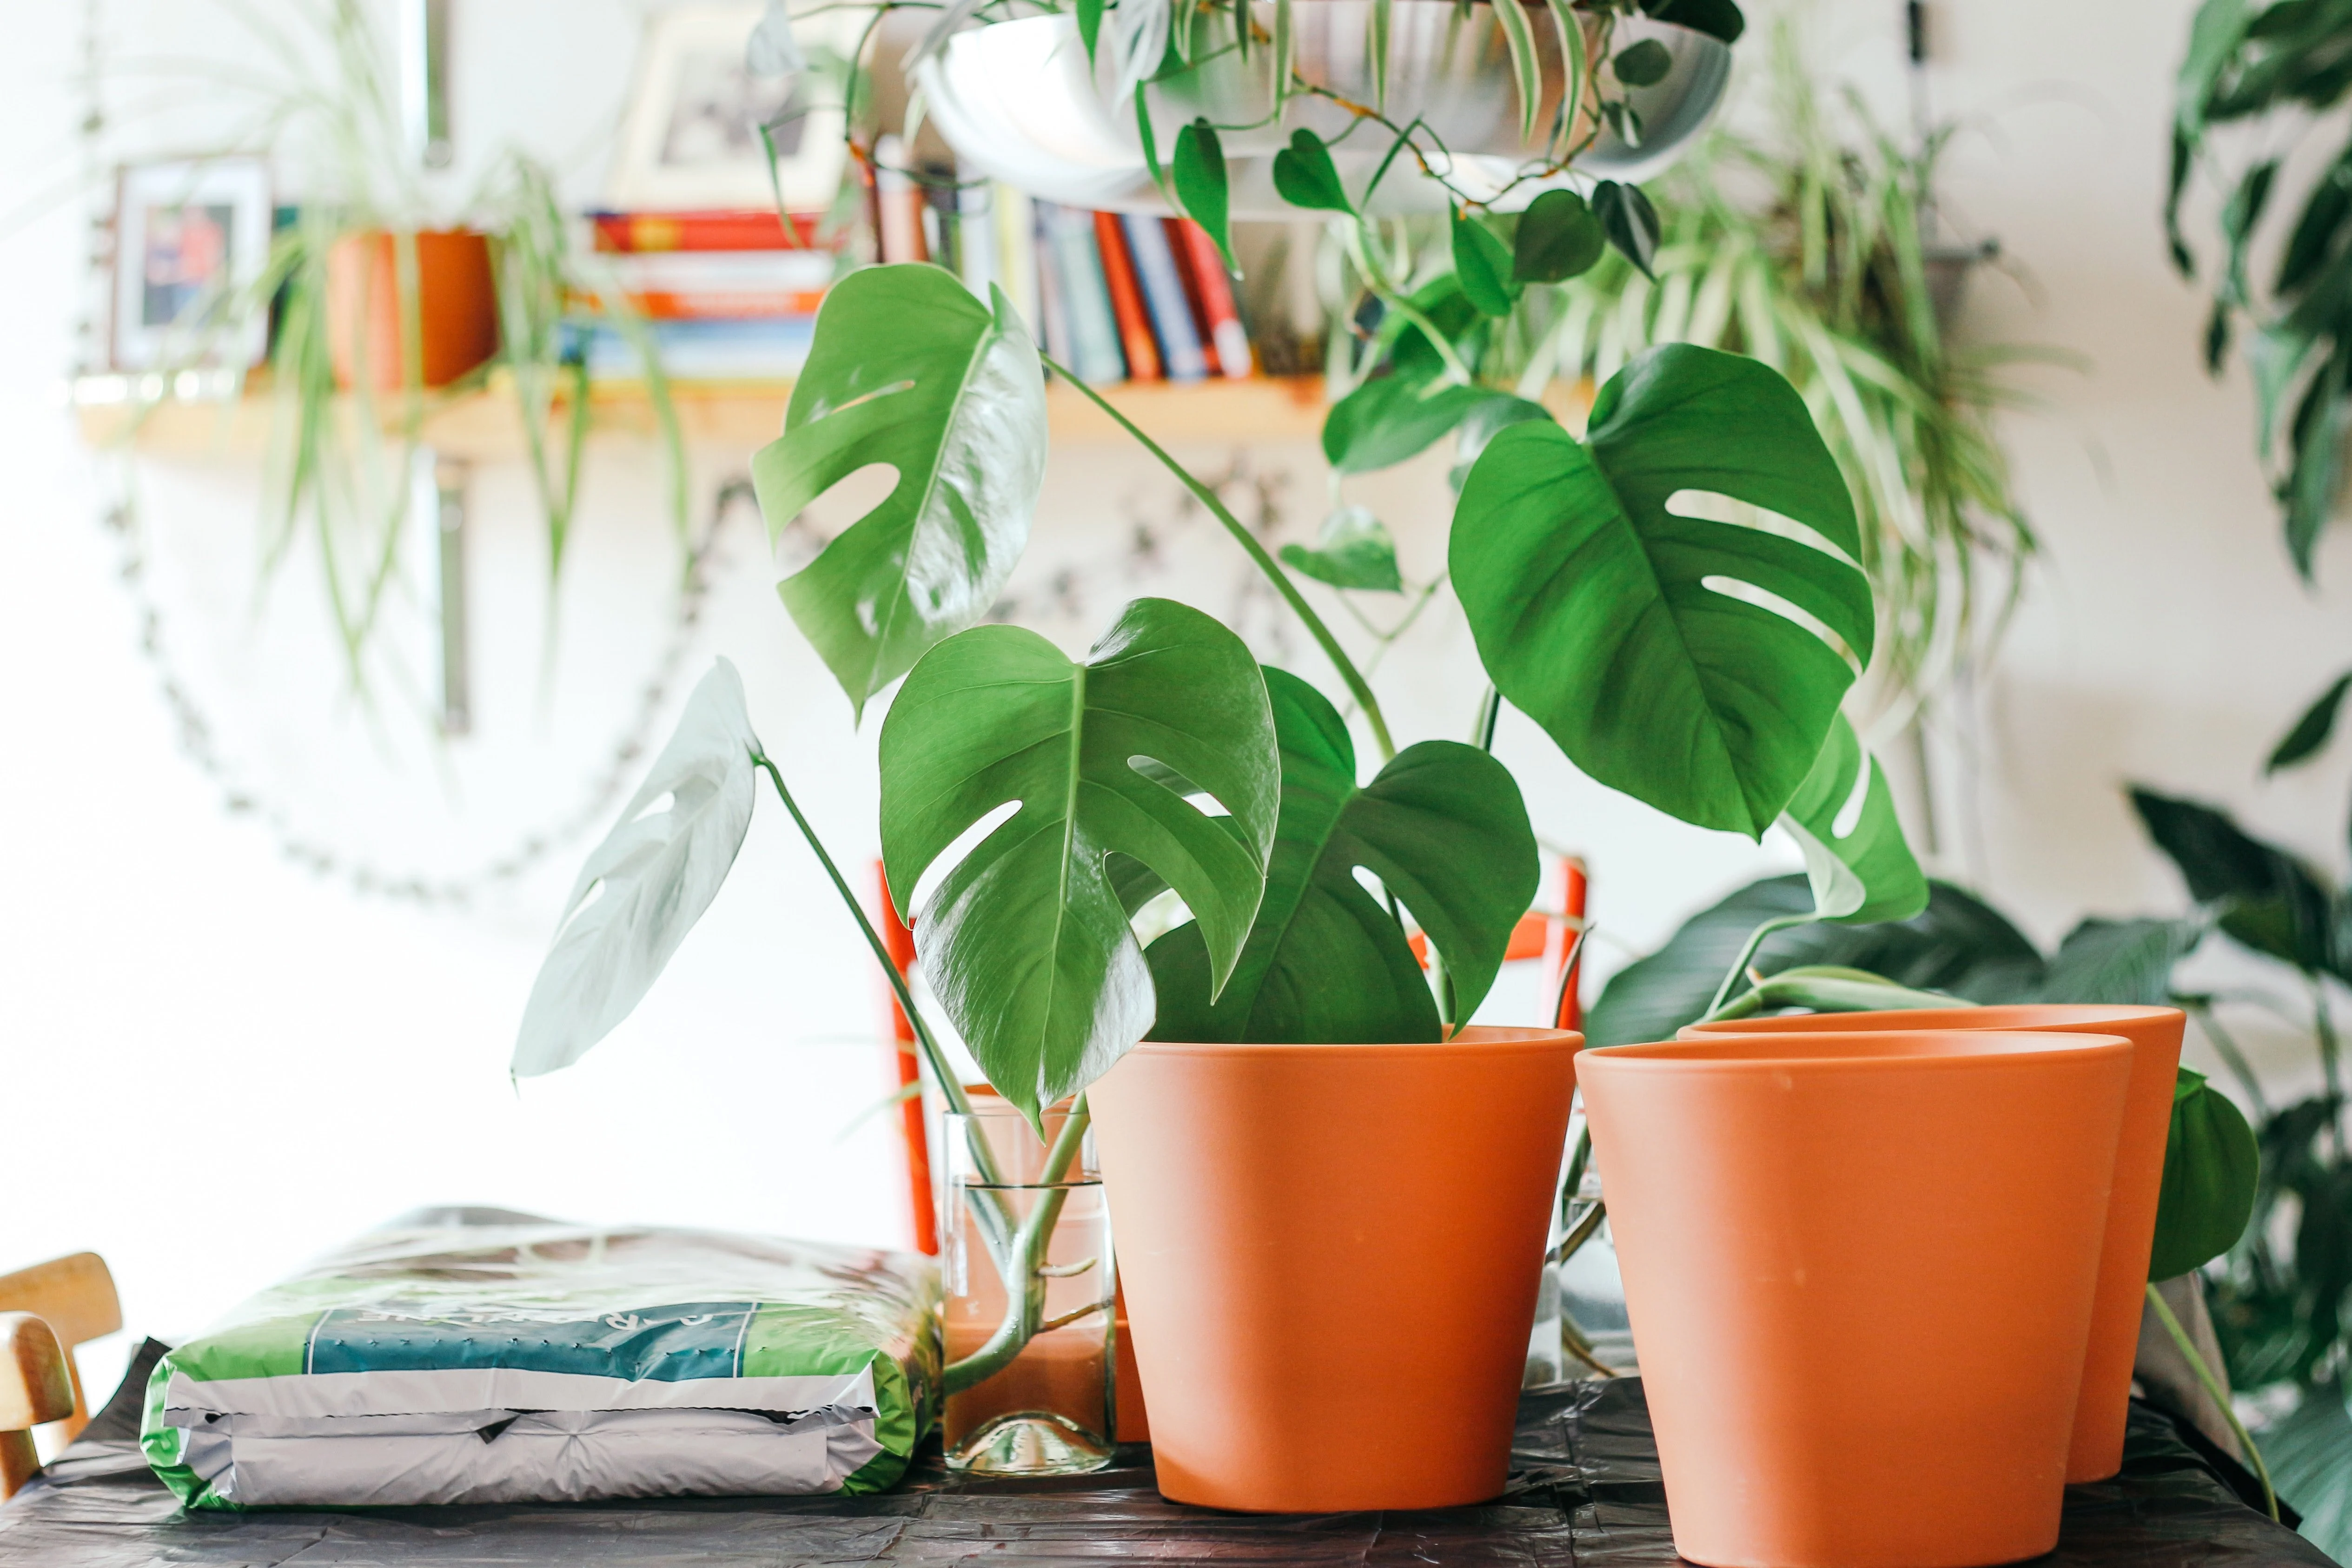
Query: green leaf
[
  {"x": 1286, "y": 51},
  {"x": 1354, "y": 550},
  {"x": 1526, "y": 67},
  {"x": 2312, "y": 731},
  {"x": 1558, "y": 239},
  {"x": 1956, "y": 945},
  {"x": 1090, "y": 15},
  {"x": 2128, "y": 962},
  {"x": 907, "y": 370},
  {"x": 1644, "y": 64},
  {"x": 1483, "y": 264},
  {"x": 2305, "y": 1452},
  {"x": 2270, "y": 900},
  {"x": 2211, "y": 1170},
  {"x": 653, "y": 876},
  {"x": 1715, "y": 18},
  {"x": 1200, "y": 171},
  {"x": 1594, "y": 602},
  {"x": 1305, "y": 176},
  {"x": 1377, "y": 30},
  {"x": 1444, "y": 829},
  {"x": 1481, "y": 424},
  {"x": 1390, "y": 418},
  {"x": 1865, "y": 873},
  {"x": 1574, "y": 72},
  {"x": 1629, "y": 221},
  {"x": 1024, "y": 942}
]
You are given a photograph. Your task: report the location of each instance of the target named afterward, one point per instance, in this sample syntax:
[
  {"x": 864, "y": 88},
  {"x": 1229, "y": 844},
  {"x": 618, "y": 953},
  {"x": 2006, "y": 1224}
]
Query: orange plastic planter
[
  {"x": 456, "y": 306},
  {"x": 2097, "y": 1451},
  {"x": 1860, "y": 1270},
  {"x": 1330, "y": 1255}
]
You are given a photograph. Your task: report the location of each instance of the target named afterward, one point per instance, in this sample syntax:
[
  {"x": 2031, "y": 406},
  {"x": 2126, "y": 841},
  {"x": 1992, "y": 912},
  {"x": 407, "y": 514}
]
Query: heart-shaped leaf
[
  {"x": 1390, "y": 418},
  {"x": 1354, "y": 550},
  {"x": 1866, "y": 872},
  {"x": 1616, "y": 622},
  {"x": 1199, "y": 168},
  {"x": 1627, "y": 219},
  {"x": 1305, "y": 176},
  {"x": 2211, "y": 1166},
  {"x": 1558, "y": 239},
  {"x": 652, "y": 878},
  {"x": 1643, "y": 64},
  {"x": 1484, "y": 266},
  {"x": 910, "y": 371},
  {"x": 1444, "y": 829},
  {"x": 1024, "y": 942}
]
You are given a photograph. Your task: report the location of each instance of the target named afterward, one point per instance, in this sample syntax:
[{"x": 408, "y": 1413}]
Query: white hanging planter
[{"x": 1020, "y": 102}]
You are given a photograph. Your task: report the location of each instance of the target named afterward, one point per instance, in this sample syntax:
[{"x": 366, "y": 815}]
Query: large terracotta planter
[
  {"x": 457, "y": 301},
  {"x": 1860, "y": 1271},
  {"x": 2097, "y": 1450},
  {"x": 1329, "y": 1254}
]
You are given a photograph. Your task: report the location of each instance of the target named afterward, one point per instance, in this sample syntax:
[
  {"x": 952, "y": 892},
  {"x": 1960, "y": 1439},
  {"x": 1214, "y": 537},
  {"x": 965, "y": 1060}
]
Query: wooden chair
[{"x": 44, "y": 1311}]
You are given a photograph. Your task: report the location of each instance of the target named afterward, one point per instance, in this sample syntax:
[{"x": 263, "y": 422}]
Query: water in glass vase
[{"x": 1027, "y": 1320}]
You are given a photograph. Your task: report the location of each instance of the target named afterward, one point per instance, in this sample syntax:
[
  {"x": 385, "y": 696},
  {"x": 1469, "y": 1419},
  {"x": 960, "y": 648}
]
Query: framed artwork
[
  {"x": 189, "y": 236},
  {"x": 691, "y": 137}
]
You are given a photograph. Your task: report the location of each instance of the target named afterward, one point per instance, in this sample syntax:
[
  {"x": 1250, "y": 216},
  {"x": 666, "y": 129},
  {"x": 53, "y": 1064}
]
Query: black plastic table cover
[{"x": 1584, "y": 1488}]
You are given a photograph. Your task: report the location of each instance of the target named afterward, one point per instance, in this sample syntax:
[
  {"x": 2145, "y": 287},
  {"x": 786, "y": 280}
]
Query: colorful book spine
[
  {"x": 1127, "y": 301},
  {"x": 748, "y": 229},
  {"x": 1164, "y": 298},
  {"x": 1016, "y": 252},
  {"x": 1214, "y": 291},
  {"x": 1053, "y": 295},
  {"x": 1085, "y": 296}
]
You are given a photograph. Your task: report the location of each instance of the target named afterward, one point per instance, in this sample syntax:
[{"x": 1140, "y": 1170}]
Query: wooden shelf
[{"x": 195, "y": 416}]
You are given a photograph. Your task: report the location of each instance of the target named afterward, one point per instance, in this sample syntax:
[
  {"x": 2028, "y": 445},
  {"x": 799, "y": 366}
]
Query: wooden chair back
[
  {"x": 75, "y": 1297},
  {"x": 35, "y": 1389}
]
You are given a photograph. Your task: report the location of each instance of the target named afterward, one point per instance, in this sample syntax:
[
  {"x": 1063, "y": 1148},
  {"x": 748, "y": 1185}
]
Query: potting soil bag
[{"x": 471, "y": 1355}]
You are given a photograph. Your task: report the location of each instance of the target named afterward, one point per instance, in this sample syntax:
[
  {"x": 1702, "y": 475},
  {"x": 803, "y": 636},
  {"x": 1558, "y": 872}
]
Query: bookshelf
[{"x": 204, "y": 419}]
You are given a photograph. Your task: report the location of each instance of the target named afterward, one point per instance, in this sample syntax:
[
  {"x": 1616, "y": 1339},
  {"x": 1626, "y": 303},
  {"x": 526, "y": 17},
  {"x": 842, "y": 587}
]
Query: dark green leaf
[
  {"x": 1354, "y": 550},
  {"x": 1957, "y": 944},
  {"x": 1484, "y": 266},
  {"x": 1644, "y": 64},
  {"x": 2317, "y": 475},
  {"x": 658, "y": 870},
  {"x": 2211, "y": 1165},
  {"x": 1389, "y": 418},
  {"x": 1200, "y": 171},
  {"x": 1717, "y": 18},
  {"x": 1865, "y": 873},
  {"x": 1025, "y": 942},
  {"x": 2120, "y": 961},
  {"x": 1589, "y": 598},
  {"x": 1629, "y": 221},
  {"x": 1558, "y": 239},
  {"x": 2311, "y": 732},
  {"x": 2305, "y": 1452},
  {"x": 1411, "y": 357},
  {"x": 2318, "y": 230},
  {"x": 1444, "y": 829},
  {"x": 2271, "y": 901},
  {"x": 1305, "y": 176},
  {"x": 907, "y": 370},
  {"x": 2240, "y": 215}
]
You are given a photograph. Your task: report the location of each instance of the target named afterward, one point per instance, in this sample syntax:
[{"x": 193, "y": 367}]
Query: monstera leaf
[
  {"x": 1865, "y": 872},
  {"x": 653, "y": 876},
  {"x": 1025, "y": 942},
  {"x": 1445, "y": 830},
  {"x": 909, "y": 371},
  {"x": 1627, "y": 627}
]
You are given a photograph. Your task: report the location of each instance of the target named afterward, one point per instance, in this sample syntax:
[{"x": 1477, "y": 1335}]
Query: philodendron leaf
[
  {"x": 1717, "y": 18},
  {"x": 1644, "y": 64},
  {"x": 1484, "y": 266},
  {"x": 907, "y": 371},
  {"x": 1628, "y": 220},
  {"x": 1024, "y": 942},
  {"x": 1614, "y": 618},
  {"x": 1444, "y": 829},
  {"x": 1305, "y": 176},
  {"x": 1199, "y": 168},
  {"x": 652, "y": 878},
  {"x": 2211, "y": 1167},
  {"x": 1390, "y": 418},
  {"x": 1354, "y": 550},
  {"x": 1558, "y": 239},
  {"x": 2312, "y": 731},
  {"x": 1864, "y": 874}
]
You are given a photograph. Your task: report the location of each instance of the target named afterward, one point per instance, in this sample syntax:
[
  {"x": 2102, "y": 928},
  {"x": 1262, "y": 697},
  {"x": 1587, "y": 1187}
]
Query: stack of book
[{"x": 728, "y": 295}]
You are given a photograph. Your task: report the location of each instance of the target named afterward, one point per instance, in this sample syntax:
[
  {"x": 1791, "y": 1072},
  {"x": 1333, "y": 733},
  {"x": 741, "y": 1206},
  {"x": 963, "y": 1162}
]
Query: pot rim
[
  {"x": 1763, "y": 1055},
  {"x": 2066, "y": 1018},
  {"x": 1470, "y": 1040}
]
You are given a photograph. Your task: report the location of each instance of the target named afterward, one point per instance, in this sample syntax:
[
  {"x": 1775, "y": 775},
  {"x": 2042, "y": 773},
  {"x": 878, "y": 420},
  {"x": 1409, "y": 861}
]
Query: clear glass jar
[{"x": 1031, "y": 1369}]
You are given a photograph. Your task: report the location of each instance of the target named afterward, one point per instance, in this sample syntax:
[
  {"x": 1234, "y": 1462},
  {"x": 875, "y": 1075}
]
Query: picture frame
[
  {"x": 190, "y": 234},
  {"x": 690, "y": 138}
]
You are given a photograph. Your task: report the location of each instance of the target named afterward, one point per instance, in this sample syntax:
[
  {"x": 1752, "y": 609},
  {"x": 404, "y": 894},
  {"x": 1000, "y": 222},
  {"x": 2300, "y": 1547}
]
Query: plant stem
[
  {"x": 1747, "y": 953},
  {"x": 1020, "y": 1263},
  {"x": 1357, "y": 686},
  {"x": 2188, "y": 1348}
]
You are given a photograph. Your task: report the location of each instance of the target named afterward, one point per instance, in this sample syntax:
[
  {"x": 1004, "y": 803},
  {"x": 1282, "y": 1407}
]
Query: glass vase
[{"x": 1027, "y": 1320}]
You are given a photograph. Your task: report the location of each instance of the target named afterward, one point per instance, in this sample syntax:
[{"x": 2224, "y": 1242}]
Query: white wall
[{"x": 214, "y": 1063}]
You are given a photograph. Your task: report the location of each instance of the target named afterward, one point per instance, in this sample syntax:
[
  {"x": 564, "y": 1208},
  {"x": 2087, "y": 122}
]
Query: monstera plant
[{"x": 1672, "y": 596}]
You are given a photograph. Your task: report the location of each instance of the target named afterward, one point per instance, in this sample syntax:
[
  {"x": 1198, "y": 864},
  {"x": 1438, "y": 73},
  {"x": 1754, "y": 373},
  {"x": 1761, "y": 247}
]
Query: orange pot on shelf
[
  {"x": 2097, "y": 1450},
  {"x": 1860, "y": 1269},
  {"x": 457, "y": 302},
  {"x": 1330, "y": 1255}
]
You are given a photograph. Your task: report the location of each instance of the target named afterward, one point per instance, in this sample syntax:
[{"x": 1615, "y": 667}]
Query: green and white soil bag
[{"x": 516, "y": 1360}]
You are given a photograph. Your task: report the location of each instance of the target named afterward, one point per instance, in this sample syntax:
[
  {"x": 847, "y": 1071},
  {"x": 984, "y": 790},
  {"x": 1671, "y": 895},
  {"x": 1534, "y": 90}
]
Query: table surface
[{"x": 1584, "y": 1488}]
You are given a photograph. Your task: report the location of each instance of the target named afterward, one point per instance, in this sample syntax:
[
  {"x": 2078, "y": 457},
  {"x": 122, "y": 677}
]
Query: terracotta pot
[
  {"x": 457, "y": 302},
  {"x": 1134, "y": 1418},
  {"x": 1330, "y": 1255},
  {"x": 2098, "y": 1450},
  {"x": 1860, "y": 1270}
]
